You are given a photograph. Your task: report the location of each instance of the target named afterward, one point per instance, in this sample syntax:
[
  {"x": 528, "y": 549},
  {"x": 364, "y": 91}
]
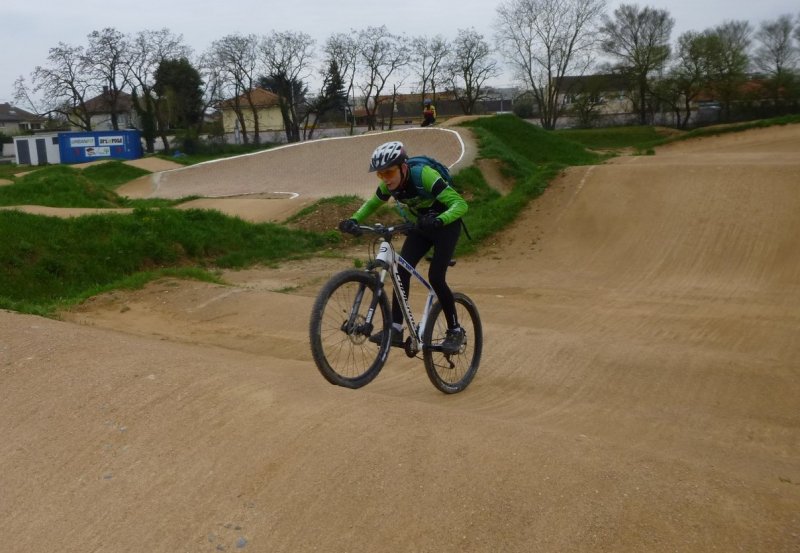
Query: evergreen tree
[{"x": 179, "y": 88}]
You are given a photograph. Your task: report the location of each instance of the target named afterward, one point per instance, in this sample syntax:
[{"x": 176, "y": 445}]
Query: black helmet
[{"x": 386, "y": 155}]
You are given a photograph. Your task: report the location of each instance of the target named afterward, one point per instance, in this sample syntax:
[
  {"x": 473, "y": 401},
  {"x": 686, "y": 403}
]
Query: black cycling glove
[
  {"x": 428, "y": 222},
  {"x": 350, "y": 226}
]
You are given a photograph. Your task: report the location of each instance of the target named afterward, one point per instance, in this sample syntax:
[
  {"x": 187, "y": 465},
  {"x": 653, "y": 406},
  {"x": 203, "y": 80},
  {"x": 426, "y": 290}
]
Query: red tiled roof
[{"x": 260, "y": 97}]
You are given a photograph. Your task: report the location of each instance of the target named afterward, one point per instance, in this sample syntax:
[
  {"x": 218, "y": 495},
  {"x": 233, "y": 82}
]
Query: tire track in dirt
[{"x": 638, "y": 390}]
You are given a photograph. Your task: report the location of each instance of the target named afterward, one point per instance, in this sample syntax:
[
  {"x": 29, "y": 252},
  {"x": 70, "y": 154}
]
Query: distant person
[{"x": 428, "y": 113}]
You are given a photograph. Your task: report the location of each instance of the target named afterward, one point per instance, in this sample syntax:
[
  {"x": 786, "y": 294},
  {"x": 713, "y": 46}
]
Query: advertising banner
[
  {"x": 84, "y": 146},
  {"x": 81, "y": 141},
  {"x": 98, "y": 151},
  {"x": 110, "y": 140}
]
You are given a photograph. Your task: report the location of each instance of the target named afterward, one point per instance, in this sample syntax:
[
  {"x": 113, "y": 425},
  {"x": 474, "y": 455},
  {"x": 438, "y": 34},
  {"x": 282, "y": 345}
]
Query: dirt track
[{"x": 639, "y": 391}]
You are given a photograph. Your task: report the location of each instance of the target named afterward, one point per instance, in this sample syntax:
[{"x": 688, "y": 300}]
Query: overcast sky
[{"x": 31, "y": 28}]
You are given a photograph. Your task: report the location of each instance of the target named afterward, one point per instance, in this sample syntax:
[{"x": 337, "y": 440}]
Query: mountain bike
[{"x": 354, "y": 305}]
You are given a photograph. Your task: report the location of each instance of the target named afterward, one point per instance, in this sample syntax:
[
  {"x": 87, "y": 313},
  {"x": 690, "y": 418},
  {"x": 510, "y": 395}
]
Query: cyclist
[
  {"x": 428, "y": 113},
  {"x": 437, "y": 212}
]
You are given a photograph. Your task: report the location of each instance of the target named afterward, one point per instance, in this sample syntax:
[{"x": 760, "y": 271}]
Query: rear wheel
[
  {"x": 339, "y": 330},
  {"x": 452, "y": 372}
]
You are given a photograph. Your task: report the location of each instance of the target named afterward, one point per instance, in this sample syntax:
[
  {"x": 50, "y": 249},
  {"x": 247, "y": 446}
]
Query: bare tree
[
  {"x": 343, "y": 49},
  {"x": 728, "y": 61},
  {"x": 775, "y": 53},
  {"x": 148, "y": 49},
  {"x": 332, "y": 98},
  {"x": 689, "y": 75},
  {"x": 776, "y": 56},
  {"x": 236, "y": 57},
  {"x": 638, "y": 38},
  {"x": 108, "y": 62},
  {"x": 545, "y": 40},
  {"x": 63, "y": 85},
  {"x": 213, "y": 81},
  {"x": 383, "y": 55},
  {"x": 287, "y": 60},
  {"x": 796, "y": 33},
  {"x": 469, "y": 67},
  {"x": 428, "y": 55}
]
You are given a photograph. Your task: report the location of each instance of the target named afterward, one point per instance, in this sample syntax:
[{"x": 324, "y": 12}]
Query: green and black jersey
[{"x": 431, "y": 194}]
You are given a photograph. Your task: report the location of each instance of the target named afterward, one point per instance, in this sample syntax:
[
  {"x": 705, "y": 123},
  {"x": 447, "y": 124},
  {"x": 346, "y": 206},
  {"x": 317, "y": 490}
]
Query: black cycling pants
[{"x": 417, "y": 244}]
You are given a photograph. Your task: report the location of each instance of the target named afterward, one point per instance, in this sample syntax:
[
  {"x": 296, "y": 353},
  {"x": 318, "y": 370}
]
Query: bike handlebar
[{"x": 386, "y": 232}]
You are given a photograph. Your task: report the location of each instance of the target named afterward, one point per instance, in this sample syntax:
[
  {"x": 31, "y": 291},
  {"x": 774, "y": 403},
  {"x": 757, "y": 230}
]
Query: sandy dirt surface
[{"x": 638, "y": 391}]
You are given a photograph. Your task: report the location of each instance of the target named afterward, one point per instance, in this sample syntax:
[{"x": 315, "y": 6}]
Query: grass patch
[
  {"x": 644, "y": 139},
  {"x": 516, "y": 142},
  {"x": 65, "y": 186},
  {"x": 718, "y": 130},
  {"x": 51, "y": 260},
  {"x": 531, "y": 155},
  {"x": 57, "y": 186},
  {"x": 112, "y": 174},
  {"x": 8, "y": 171},
  {"x": 334, "y": 202},
  {"x": 614, "y": 138}
]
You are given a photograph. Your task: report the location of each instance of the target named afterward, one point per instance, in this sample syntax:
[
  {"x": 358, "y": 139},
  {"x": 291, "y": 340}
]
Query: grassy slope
[{"x": 530, "y": 155}]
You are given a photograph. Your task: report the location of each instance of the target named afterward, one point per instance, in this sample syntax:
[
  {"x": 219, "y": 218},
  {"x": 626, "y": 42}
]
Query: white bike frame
[{"x": 390, "y": 262}]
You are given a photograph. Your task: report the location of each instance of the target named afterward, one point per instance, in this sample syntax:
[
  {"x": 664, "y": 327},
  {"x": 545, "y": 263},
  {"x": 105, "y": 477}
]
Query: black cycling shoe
[
  {"x": 397, "y": 338},
  {"x": 453, "y": 340}
]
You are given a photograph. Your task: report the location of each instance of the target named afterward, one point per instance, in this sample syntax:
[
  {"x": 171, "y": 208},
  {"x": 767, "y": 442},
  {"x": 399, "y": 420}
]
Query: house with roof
[
  {"x": 14, "y": 120},
  {"x": 102, "y": 109},
  {"x": 238, "y": 109},
  {"x": 608, "y": 92}
]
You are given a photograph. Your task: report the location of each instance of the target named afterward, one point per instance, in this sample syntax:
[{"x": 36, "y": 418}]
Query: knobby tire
[{"x": 343, "y": 353}]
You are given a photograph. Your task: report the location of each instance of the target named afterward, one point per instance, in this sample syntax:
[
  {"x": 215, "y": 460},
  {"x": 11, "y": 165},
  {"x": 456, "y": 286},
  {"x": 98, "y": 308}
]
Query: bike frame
[{"x": 390, "y": 263}]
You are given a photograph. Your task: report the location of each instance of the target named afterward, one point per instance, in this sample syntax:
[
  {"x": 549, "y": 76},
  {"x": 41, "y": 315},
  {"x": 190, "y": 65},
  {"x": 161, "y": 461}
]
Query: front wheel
[
  {"x": 452, "y": 372},
  {"x": 340, "y": 330}
]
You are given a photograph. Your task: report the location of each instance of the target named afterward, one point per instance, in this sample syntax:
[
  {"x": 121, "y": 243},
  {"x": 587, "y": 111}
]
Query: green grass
[
  {"x": 8, "y": 170},
  {"x": 52, "y": 261},
  {"x": 65, "y": 186},
  {"x": 614, "y": 138},
  {"x": 509, "y": 138},
  {"x": 324, "y": 204},
  {"x": 112, "y": 173},
  {"x": 57, "y": 186},
  {"x": 733, "y": 128},
  {"x": 646, "y": 138},
  {"x": 530, "y": 155}
]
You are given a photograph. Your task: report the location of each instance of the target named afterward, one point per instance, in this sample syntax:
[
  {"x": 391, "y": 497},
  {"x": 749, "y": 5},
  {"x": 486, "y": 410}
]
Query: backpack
[{"x": 416, "y": 164}]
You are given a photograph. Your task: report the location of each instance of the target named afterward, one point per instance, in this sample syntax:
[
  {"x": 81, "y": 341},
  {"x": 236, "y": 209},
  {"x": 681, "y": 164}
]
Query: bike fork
[{"x": 351, "y": 326}]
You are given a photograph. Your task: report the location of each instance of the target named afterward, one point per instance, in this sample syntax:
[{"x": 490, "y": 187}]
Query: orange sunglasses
[{"x": 388, "y": 173}]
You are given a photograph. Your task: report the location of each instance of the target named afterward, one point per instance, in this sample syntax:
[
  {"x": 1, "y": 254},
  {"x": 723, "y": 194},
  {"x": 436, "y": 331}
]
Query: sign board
[
  {"x": 81, "y": 141},
  {"x": 110, "y": 140},
  {"x": 78, "y": 147},
  {"x": 98, "y": 151}
]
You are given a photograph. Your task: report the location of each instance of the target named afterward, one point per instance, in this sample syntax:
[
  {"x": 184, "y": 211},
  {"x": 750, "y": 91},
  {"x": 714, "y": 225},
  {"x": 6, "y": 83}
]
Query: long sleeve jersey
[{"x": 432, "y": 194}]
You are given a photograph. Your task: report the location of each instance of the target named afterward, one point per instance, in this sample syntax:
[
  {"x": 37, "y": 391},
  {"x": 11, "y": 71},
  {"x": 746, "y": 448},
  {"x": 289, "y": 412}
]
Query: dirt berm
[{"x": 639, "y": 391}]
